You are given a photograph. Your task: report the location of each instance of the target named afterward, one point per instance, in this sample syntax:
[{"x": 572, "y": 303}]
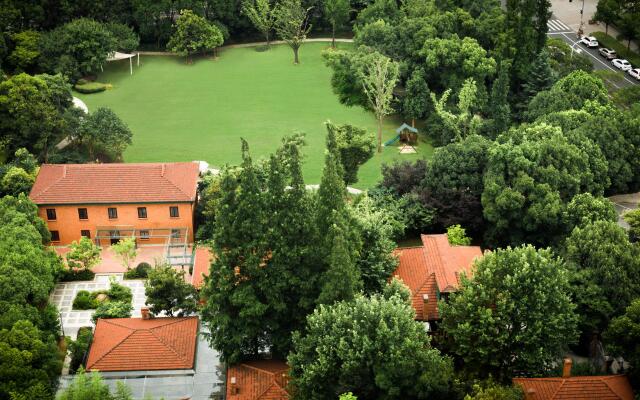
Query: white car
[
  {"x": 621, "y": 64},
  {"x": 589, "y": 41},
  {"x": 635, "y": 73}
]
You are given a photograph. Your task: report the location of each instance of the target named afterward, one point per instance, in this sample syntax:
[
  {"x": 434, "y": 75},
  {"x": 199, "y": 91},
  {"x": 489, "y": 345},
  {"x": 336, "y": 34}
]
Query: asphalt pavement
[{"x": 560, "y": 30}]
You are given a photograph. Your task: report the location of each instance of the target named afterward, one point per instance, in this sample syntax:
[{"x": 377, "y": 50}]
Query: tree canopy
[
  {"x": 353, "y": 346},
  {"x": 485, "y": 322}
]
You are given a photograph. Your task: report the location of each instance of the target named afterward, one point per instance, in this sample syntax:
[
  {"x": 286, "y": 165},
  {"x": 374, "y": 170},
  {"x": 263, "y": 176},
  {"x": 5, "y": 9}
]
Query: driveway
[{"x": 64, "y": 293}]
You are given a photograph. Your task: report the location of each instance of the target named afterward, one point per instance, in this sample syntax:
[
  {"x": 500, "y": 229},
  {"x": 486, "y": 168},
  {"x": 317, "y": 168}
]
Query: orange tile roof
[
  {"x": 607, "y": 387},
  {"x": 201, "y": 266},
  {"x": 115, "y": 183},
  {"x": 134, "y": 344},
  {"x": 258, "y": 380},
  {"x": 435, "y": 267}
]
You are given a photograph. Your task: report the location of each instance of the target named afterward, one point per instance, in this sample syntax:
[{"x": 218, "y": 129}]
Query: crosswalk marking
[{"x": 555, "y": 25}]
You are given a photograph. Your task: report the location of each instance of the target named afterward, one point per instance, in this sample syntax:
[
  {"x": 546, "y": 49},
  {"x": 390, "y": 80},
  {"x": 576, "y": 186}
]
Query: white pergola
[{"x": 116, "y": 56}]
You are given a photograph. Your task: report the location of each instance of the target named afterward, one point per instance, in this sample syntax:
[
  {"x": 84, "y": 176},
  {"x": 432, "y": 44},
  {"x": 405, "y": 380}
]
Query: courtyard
[{"x": 180, "y": 112}]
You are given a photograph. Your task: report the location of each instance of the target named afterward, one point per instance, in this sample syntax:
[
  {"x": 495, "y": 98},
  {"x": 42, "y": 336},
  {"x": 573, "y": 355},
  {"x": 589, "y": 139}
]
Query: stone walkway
[{"x": 72, "y": 320}]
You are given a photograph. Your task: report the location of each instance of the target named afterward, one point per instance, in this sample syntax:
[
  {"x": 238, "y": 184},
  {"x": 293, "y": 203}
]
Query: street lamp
[
  {"x": 580, "y": 31},
  {"x": 572, "y": 50}
]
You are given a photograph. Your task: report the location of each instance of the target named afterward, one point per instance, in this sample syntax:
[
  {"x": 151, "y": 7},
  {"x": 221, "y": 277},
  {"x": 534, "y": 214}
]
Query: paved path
[
  {"x": 243, "y": 45},
  {"x": 64, "y": 293}
]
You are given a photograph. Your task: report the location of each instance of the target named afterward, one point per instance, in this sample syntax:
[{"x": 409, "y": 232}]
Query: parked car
[
  {"x": 635, "y": 73},
  {"x": 589, "y": 41},
  {"x": 608, "y": 53},
  {"x": 621, "y": 64}
]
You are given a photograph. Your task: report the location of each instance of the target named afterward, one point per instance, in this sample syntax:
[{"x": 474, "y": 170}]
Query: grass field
[{"x": 180, "y": 112}]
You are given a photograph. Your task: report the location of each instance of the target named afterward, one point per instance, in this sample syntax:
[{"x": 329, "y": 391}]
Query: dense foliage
[
  {"x": 282, "y": 250},
  {"x": 168, "y": 292},
  {"x": 371, "y": 347},
  {"x": 484, "y": 321}
]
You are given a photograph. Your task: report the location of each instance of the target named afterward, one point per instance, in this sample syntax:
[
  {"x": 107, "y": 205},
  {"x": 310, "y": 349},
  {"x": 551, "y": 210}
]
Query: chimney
[
  {"x": 425, "y": 307},
  {"x": 530, "y": 394},
  {"x": 566, "y": 368},
  {"x": 145, "y": 313}
]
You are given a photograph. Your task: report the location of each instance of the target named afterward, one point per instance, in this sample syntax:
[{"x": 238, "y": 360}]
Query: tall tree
[
  {"x": 500, "y": 109},
  {"x": 292, "y": 24},
  {"x": 29, "y": 117},
  {"x": 627, "y": 24},
  {"x": 194, "y": 34},
  {"x": 354, "y": 347},
  {"x": 532, "y": 173},
  {"x": 355, "y": 146},
  {"x": 416, "y": 98},
  {"x": 235, "y": 305},
  {"x": 623, "y": 338},
  {"x": 77, "y": 48},
  {"x": 337, "y": 13},
  {"x": 104, "y": 133},
  {"x": 262, "y": 16},
  {"x": 540, "y": 77},
  {"x": 378, "y": 81},
  {"x": 607, "y": 273},
  {"x": 484, "y": 322},
  {"x": 167, "y": 291},
  {"x": 607, "y": 11}
]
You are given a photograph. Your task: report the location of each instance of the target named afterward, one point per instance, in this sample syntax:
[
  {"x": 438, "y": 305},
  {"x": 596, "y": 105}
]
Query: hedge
[
  {"x": 91, "y": 87},
  {"x": 69, "y": 275},
  {"x": 611, "y": 43}
]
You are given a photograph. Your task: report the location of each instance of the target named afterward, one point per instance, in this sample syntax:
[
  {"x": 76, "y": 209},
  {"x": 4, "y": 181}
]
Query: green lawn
[{"x": 180, "y": 112}]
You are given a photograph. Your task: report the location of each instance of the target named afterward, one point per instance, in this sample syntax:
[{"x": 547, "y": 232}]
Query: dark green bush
[
  {"x": 118, "y": 292},
  {"x": 78, "y": 348},
  {"x": 82, "y": 81},
  {"x": 112, "y": 309},
  {"x": 139, "y": 272},
  {"x": 85, "y": 301},
  {"x": 90, "y": 87},
  {"x": 71, "y": 275}
]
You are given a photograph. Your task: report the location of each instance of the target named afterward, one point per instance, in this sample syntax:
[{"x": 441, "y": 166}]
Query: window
[
  {"x": 173, "y": 212},
  {"x": 51, "y": 214},
  {"x": 142, "y": 212},
  {"x": 55, "y": 236},
  {"x": 175, "y": 233},
  {"x": 113, "y": 212},
  {"x": 86, "y": 233},
  {"x": 82, "y": 213},
  {"x": 144, "y": 235}
]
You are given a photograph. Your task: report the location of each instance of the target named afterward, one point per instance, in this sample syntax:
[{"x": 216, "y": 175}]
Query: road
[{"x": 560, "y": 30}]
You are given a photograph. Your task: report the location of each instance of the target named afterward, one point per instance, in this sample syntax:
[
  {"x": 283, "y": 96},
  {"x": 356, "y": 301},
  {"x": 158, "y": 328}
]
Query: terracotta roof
[
  {"x": 134, "y": 344},
  {"x": 201, "y": 266},
  {"x": 607, "y": 387},
  {"x": 258, "y": 380},
  {"x": 435, "y": 267},
  {"x": 115, "y": 183}
]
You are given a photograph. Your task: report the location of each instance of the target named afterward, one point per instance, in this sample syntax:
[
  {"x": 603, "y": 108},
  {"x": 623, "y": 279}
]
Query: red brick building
[
  {"x": 433, "y": 270},
  {"x": 152, "y": 202}
]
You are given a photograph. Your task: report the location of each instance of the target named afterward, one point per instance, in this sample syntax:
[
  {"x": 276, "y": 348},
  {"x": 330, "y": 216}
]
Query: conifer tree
[
  {"x": 235, "y": 304},
  {"x": 540, "y": 77},
  {"x": 500, "y": 109}
]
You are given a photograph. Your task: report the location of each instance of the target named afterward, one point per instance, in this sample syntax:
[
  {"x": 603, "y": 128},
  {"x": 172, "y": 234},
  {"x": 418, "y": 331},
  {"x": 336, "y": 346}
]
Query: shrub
[
  {"x": 91, "y": 87},
  {"x": 139, "y": 272},
  {"x": 112, "y": 309},
  {"x": 85, "y": 301},
  {"x": 69, "y": 275},
  {"x": 118, "y": 292},
  {"x": 78, "y": 348}
]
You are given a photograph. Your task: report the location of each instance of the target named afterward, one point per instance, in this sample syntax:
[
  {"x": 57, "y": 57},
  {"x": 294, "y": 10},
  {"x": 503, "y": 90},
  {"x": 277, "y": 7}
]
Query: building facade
[{"x": 154, "y": 203}]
